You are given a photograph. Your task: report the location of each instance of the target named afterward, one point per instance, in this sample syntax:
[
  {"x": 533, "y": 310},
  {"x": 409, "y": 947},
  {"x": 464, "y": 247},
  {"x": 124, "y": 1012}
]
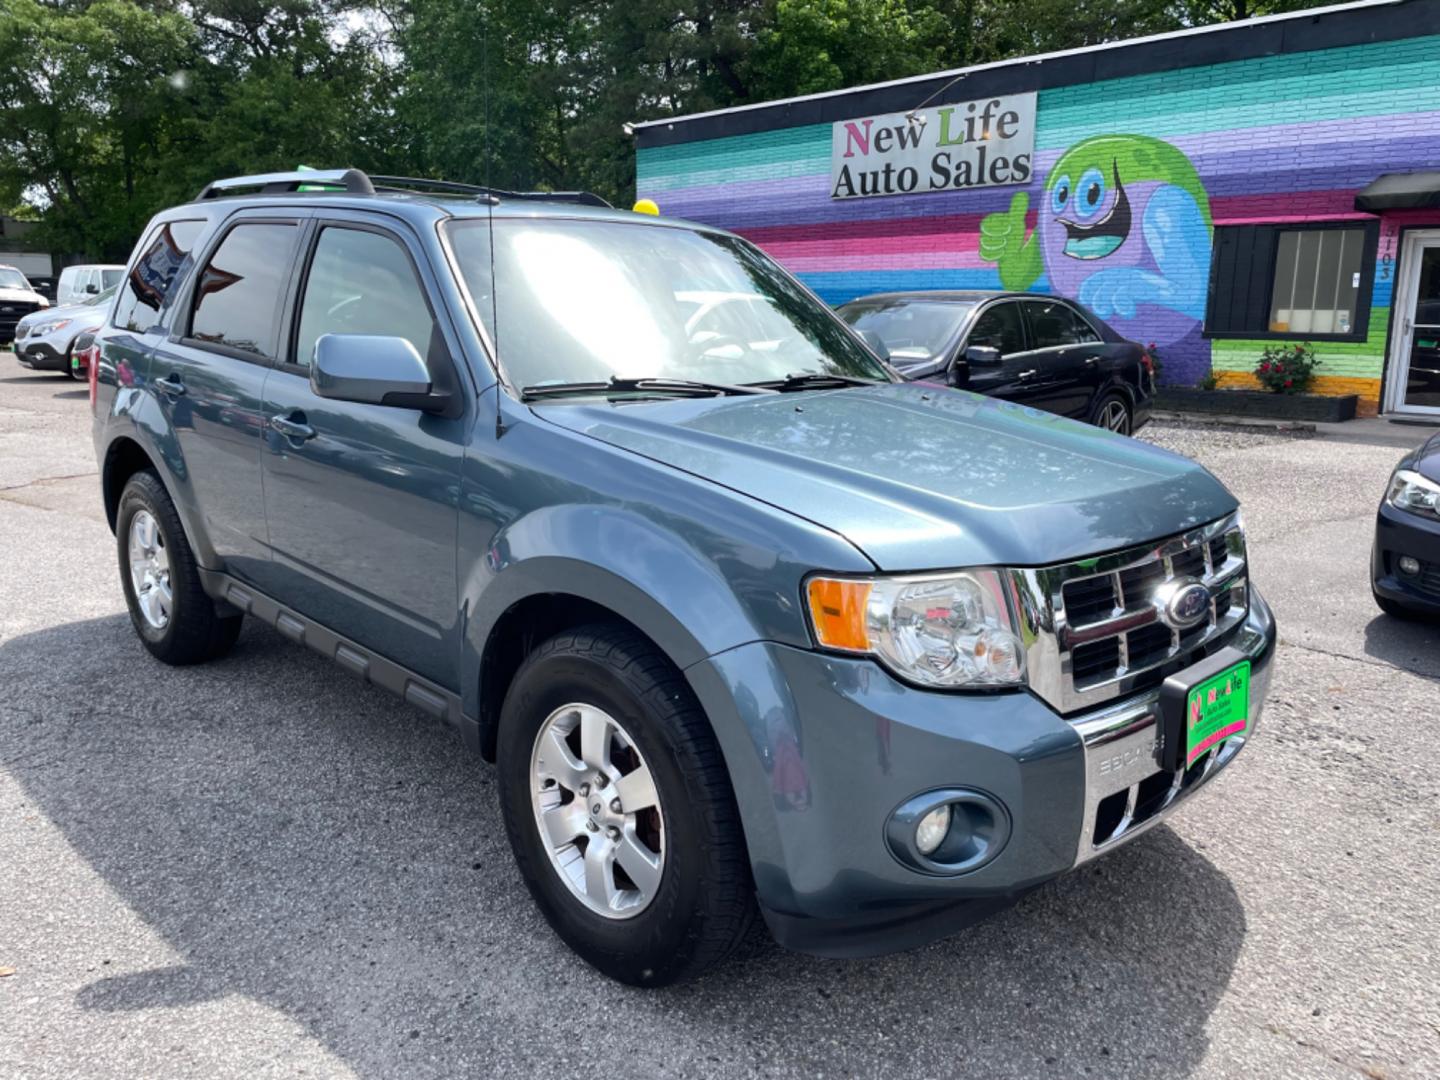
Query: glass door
[{"x": 1415, "y": 384}]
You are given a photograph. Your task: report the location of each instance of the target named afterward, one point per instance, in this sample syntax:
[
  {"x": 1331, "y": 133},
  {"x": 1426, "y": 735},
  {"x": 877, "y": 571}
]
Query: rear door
[
  {"x": 1063, "y": 368},
  {"x": 362, "y": 508},
  {"x": 208, "y": 373},
  {"x": 145, "y": 302}
]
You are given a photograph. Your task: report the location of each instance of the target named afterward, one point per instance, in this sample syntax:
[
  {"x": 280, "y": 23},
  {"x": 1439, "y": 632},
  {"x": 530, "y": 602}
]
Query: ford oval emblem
[{"x": 1183, "y": 603}]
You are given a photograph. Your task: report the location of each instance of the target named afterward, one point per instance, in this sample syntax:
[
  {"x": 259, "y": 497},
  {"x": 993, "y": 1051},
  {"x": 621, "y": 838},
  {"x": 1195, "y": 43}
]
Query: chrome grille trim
[{"x": 1050, "y": 640}]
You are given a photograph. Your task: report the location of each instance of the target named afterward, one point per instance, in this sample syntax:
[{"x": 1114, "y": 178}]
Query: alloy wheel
[
  {"x": 597, "y": 811},
  {"x": 1115, "y": 417},
  {"x": 150, "y": 569}
]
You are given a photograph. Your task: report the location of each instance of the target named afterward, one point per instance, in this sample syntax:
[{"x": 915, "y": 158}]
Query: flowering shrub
[{"x": 1287, "y": 369}]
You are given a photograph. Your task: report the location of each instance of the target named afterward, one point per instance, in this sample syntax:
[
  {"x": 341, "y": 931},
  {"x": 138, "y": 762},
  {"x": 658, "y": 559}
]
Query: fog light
[
  {"x": 932, "y": 829},
  {"x": 1409, "y": 566}
]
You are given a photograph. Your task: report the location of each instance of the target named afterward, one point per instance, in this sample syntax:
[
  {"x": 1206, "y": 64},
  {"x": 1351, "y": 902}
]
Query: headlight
[
  {"x": 50, "y": 327},
  {"x": 1413, "y": 492},
  {"x": 949, "y": 631}
]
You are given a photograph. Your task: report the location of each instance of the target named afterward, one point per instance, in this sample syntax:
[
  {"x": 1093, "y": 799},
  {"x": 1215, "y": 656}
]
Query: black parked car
[
  {"x": 1405, "y": 563},
  {"x": 1037, "y": 350}
]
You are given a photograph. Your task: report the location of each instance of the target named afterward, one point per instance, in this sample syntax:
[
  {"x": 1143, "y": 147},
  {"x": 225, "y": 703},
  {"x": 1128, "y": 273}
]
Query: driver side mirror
[
  {"x": 982, "y": 355},
  {"x": 373, "y": 369},
  {"x": 92, "y": 289}
]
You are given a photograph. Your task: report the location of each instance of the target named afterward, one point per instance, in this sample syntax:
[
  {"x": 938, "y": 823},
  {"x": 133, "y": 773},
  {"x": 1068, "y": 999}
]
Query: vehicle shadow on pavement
[
  {"x": 308, "y": 842},
  {"x": 1413, "y": 645},
  {"x": 37, "y": 376}
]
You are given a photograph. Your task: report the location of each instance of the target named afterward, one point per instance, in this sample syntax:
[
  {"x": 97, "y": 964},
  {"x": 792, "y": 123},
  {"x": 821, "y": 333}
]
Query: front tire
[
  {"x": 174, "y": 617},
  {"x": 619, "y": 808}
]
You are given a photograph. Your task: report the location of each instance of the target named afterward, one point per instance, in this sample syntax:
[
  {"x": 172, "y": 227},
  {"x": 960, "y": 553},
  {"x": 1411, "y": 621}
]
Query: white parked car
[
  {"x": 17, "y": 299},
  {"x": 45, "y": 340},
  {"x": 81, "y": 283}
]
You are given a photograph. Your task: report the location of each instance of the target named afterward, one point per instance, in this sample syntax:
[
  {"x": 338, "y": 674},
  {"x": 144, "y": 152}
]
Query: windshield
[
  {"x": 585, "y": 301},
  {"x": 12, "y": 279},
  {"x": 911, "y": 329}
]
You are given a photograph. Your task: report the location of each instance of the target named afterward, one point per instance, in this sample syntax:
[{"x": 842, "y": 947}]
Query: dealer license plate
[{"x": 1216, "y": 709}]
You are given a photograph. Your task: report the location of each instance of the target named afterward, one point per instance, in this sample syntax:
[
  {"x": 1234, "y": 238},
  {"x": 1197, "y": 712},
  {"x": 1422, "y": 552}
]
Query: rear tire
[
  {"x": 1115, "y": 414},
  {"x": 685, "y": 909},
  {"x": 174, "y": 617}
]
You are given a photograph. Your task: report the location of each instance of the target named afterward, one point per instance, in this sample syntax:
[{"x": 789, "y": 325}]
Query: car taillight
[
  {"x": 1148, "y": 363},
  {"x": 91, "y": 358}
]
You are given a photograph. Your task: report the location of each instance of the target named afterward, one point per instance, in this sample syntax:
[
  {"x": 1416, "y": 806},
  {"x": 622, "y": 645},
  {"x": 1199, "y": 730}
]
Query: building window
[{"x": 1273, "y": 281}]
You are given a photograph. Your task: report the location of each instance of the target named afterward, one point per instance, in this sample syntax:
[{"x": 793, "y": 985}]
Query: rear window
[
  {"x": 149, "y": 280},
  {"x": 237, "y": 295},
  {"x": 1054, "y": 324},
  {"x": 110, "y": 278}
]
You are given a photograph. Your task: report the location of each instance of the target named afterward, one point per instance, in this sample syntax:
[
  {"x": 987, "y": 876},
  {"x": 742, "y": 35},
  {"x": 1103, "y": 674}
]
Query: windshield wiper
[
  {"x": 816, "y": 380},
  {"x": 615, "y": 384}
]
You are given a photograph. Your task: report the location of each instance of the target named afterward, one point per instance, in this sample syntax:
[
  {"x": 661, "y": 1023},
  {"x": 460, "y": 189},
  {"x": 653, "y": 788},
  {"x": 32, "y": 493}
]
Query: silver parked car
[{"x": 45, "y": 340}]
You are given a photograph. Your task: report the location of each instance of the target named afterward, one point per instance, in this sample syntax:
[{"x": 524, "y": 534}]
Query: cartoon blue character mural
[{"x": 1124, "y": 227}]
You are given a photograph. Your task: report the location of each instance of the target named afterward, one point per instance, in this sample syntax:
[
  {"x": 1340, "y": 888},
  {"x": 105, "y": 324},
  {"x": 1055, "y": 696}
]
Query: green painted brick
[{"x": 1350, "y": 359}]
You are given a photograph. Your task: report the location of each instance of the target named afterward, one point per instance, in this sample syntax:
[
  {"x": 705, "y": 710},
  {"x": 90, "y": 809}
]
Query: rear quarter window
[{"x": 150, "y": 278}]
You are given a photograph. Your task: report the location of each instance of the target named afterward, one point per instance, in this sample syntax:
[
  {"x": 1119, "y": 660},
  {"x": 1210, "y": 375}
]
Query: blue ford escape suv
[{"x": 747, "y": 624}]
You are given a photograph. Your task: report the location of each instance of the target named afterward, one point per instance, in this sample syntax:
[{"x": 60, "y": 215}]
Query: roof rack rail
[
  {"x": 350, "y": 180},
  {"x": 405, "y": 183},
  {"x": 355, "y": 182}
]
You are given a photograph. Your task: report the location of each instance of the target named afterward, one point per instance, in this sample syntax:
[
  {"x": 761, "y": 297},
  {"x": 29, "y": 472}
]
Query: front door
[
  {"x": 1414, "y": 385},
  {"x": 361, "y": 500}
]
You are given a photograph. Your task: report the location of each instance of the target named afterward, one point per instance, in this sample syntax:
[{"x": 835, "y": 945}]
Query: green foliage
[
  {"x": 815, "y": 45},
  {"x": 1208, "y": 381},
  {"x": 1287, "y": 369},
  {"x": 113, "y": 109}
]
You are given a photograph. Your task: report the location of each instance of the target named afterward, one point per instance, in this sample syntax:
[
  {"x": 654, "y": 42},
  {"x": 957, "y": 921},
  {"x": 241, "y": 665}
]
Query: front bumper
[
  {"x": 40, "y": 355},
  {"x": 1398, "y": 533},
  {"x": 823, "y": 749}
]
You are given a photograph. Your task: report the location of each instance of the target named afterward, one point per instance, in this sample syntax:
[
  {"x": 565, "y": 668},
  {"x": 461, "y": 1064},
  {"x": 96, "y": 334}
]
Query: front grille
[
  {"x": 1089, "y": 599},
  {"x": 1429, "y": 578},
  {"x": 1099, "y": 629},
  {"x": 11, "y": 312}
]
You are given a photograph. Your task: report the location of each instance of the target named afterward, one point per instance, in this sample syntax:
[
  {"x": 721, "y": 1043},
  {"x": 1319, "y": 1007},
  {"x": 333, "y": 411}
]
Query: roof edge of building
[{"x": 1335, "y": 26}]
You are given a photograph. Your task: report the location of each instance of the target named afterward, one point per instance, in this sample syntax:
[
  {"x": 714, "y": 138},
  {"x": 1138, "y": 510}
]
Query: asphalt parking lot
[{"x": 261, "y": 868}]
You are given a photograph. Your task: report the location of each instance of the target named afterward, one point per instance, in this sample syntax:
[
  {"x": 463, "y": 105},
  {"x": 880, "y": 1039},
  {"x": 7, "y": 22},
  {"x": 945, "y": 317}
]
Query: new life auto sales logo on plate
[{"x": 985, "y": 143}]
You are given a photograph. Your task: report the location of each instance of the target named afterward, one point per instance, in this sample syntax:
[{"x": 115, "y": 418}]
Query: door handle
[
  {"x": 1026, "y": 376},
  {"x": 170, "y": 386},
  {"x": 291, "y": 428},
  {"x": 1091, "y": 361}
]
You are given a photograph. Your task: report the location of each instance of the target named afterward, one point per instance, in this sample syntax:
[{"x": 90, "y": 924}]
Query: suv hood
[{"x": 922, "y": 477}]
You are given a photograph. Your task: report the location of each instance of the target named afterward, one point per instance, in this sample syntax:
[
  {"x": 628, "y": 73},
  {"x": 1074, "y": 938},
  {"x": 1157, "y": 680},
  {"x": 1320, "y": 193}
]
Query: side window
[
  {"x": 999, "y": 328},
  {"x": 149, "y": 280},
  {"x": 361, "y": 283},
  {"x": 1054, "y": 324},
  {"x": 237, "y": 295}
]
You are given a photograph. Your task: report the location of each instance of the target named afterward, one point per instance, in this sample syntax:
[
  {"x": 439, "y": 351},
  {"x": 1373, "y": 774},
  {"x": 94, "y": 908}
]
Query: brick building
[{"x": 1212, "y": 191}]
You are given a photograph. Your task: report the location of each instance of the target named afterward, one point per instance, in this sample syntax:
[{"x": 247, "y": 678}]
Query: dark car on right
[
  {"x": 1038, "y": 350},
  {"x": 1405, "y": 563}
]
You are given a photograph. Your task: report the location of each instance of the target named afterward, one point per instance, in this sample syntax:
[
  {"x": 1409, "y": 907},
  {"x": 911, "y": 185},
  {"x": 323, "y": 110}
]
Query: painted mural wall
[{"x": 1131, "y": 176}]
